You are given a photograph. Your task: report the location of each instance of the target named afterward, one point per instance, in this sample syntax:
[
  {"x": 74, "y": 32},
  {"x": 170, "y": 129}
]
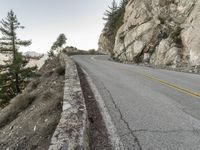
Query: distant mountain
[
  {"x": 37, "y": 59},
  {"x": 3, "y": 57},
  {"x": 32, "y": 54},
  {"x": 38, "y": 62}
]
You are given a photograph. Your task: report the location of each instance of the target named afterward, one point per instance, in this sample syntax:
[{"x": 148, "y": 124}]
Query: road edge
[{"x": 112, "y": 131}]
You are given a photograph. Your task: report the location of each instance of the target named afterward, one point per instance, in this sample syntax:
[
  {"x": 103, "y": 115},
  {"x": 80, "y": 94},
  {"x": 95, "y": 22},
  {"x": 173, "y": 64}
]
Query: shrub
[
  {"x": 92, "y": 51},
  {"x": 176, "y": 36},
  {"x": 60, "y": 71}
]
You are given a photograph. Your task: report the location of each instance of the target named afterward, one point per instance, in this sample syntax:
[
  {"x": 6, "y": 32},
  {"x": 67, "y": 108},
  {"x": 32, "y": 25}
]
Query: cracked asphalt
[{"x": 152, "y": 109}]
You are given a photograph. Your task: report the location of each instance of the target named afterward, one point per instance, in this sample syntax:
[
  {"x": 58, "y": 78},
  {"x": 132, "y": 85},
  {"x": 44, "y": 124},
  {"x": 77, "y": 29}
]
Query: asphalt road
[{"x": 152, "y": 109}]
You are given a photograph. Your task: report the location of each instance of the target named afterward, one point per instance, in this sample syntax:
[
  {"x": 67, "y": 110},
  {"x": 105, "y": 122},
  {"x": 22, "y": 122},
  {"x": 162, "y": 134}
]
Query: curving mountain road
[{"x": 152, "y": 109}]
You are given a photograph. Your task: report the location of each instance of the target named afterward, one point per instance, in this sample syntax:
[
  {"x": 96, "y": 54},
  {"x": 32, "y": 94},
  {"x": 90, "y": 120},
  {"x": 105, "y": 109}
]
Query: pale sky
[{"x": 80, "y": 20}]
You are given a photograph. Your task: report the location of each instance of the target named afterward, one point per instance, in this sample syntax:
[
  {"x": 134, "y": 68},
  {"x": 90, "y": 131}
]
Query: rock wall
[
  {"x": 161, "y": 32},
  {"x": 71, "y": 132},
  {"x": 105, "y": 43}
]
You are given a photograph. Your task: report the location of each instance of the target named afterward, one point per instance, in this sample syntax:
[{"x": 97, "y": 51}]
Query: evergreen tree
[
  {"x": 114, "y": 19},
  {"x": 112, "y": 9},
  {"x": 14, "y": 74},
  {"x": 57, "y": 45}
]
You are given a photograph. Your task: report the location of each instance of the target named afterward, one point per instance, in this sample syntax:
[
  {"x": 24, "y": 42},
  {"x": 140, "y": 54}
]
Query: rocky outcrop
[
  {"x": 161, "y": 32},
  {"x": 105, "y": 44}
]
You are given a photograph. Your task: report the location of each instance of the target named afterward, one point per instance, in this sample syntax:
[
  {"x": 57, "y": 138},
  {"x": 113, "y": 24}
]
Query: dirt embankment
[{"x": 30, "y": 119}]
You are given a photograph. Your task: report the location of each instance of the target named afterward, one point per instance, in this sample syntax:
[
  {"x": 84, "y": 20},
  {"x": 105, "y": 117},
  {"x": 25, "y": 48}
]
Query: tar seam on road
[
  {"x": 125, "y": 122},
  {"x": 121, "y": 116},
  {"x": 167, "y": 131}
]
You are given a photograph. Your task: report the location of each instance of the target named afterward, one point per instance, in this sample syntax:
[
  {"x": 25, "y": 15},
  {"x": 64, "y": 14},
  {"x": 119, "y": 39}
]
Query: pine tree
[
  {"x": 111, "y": 11},
  {"x": 114, "y": 16},
  {"x": 114, "y": 19},
  {"x": 57, "y": 45},
  {"x": 14, "y": 74}
]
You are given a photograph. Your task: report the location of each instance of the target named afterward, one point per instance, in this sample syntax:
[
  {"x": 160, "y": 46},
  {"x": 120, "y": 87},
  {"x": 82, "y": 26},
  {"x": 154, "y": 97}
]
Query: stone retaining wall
[{"x": 71, "y": 132}]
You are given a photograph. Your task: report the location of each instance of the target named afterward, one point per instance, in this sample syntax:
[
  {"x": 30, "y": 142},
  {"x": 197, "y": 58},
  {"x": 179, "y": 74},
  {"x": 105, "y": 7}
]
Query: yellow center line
[
  {"x": 168, "y": 84},
  {"x": 176, "y": 87}
]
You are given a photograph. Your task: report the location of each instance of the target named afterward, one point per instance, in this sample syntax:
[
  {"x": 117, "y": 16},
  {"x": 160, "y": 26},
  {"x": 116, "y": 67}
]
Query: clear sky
[{"x": 80, "y": 20}]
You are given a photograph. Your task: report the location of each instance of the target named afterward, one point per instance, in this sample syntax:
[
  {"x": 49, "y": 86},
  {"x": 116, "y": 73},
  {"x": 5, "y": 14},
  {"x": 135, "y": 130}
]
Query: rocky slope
[
  {"x": 29, "y": 120},
  {"x": 161, "y": 32}
]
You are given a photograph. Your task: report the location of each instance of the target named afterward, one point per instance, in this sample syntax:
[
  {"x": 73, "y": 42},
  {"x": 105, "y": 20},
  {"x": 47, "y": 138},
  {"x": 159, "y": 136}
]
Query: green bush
[
  {"x": 114, "y": 19},
  {"x": 92, "y": 51}
]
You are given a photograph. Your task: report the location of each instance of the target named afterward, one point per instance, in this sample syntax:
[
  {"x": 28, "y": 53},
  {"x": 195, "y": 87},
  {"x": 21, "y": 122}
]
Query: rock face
[
  {"x": 161, "y": 32},
  {"x": 105, "y": 44}
]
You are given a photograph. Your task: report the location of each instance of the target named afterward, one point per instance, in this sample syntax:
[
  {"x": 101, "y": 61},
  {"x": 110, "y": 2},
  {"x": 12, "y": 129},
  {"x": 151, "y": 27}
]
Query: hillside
[
  {"x": 159, "y": 32},
  {"x": 30, "y": 119}
]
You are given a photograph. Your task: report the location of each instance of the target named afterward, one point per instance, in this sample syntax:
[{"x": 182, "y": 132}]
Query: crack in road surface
[
  {"x": 136, "y": 140},
  {"x": 164, "y": 131}
]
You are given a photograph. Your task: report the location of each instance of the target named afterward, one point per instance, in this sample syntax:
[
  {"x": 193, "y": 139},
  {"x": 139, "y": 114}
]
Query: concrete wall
[{"x": 71, "y": 132}]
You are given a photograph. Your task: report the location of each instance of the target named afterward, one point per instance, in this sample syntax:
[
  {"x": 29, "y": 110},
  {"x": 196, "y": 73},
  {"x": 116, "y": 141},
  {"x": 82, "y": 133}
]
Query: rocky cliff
[
  {"x": 105, "y": 43},
  {"x": 161, "y": 32}
]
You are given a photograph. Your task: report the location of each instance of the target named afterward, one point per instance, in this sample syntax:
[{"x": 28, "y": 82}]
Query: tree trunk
[
  {"x": 17, "y": 83},
  {"x": 14, "y": 59}
]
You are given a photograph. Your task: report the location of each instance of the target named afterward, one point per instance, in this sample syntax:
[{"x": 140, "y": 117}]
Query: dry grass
[
  {"x": 16, "y": 106},
  {"x": 47, "y": 95},
  {"x": 35, "y": 84},
  {"x": 39, "y": 106}
]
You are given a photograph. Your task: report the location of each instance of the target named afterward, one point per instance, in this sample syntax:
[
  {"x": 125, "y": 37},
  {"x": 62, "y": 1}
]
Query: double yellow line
[
  {"x": 168, "y": 84},
  {"x": 171, "y": 85}
]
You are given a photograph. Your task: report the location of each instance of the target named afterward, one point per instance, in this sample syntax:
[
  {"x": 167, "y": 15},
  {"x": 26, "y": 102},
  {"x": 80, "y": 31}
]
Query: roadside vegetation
[
  {"x": 57, "y": 46},
  {"x": 30, "y": 119},
  {"x": 30, "y": 99},
  {"x": 114, "y": 16},
  {"x": 14, "y": 76}
]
